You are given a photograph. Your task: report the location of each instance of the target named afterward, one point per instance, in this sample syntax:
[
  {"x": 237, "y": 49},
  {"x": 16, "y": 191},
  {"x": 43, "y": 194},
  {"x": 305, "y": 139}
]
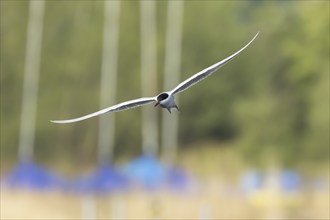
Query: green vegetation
[{"x": 272, "y": 99}]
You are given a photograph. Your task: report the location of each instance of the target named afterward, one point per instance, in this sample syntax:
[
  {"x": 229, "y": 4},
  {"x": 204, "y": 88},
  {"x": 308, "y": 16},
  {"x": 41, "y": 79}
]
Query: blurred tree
[
  {"x": 274, "y": 97},
  {"x": 12, "y": 49},
  {"x": 283, "y": 116}
]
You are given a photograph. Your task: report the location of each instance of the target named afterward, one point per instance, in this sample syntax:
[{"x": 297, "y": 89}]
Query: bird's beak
[{"x": 156, "y": 104}]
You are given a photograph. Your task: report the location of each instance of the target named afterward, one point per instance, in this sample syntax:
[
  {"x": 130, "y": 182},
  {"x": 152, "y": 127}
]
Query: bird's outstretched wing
[
  {"x": 116, "y": 108},
  {"x": 206, "y": 72}
]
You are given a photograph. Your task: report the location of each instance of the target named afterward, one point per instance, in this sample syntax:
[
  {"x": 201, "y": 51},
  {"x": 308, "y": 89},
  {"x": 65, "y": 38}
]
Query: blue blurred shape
[
  {"x": 178, "y": 179},
  {"x": 32, "y": 176},
  {"x": 252, "y": 180},
  {"x": 146, "y": 171},
  {"x": 290, "y": 181},
  {"x": 105, "y": 179},
  {"x": 150, "y": 173}
]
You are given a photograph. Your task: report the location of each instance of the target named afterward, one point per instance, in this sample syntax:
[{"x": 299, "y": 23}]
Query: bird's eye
[{"x": 162, "y": 96}]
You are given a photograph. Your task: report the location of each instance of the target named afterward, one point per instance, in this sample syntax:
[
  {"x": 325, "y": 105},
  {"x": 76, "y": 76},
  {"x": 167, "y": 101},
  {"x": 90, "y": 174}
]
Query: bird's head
[{"x": 161, "y": 97}]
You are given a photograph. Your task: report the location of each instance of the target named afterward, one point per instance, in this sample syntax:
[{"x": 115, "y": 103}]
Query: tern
[{"x": 164, "y": 99}]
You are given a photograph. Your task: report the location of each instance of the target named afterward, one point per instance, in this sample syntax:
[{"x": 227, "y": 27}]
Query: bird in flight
[{"x": 164, "y": 99}]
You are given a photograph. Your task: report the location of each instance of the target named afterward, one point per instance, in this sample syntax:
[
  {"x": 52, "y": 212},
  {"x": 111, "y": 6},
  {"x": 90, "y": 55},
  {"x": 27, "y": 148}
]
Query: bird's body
[{"x": 164, "y": 99}]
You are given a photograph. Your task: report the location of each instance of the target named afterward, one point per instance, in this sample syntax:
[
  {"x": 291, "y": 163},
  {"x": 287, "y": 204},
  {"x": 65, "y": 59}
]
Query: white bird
[{"x": 164, "y": 99}]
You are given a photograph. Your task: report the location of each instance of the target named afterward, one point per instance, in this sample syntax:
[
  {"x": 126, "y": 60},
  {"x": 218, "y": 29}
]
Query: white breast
[{"x": 168, "y": 103}]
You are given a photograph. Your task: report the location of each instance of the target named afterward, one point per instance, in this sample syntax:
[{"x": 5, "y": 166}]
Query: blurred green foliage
[{"x": 273, "y": 98}]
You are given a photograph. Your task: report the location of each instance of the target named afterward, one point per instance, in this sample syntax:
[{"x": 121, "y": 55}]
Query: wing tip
[
  {"x": 55, "y": 121},
  {"x": 59, "y": 121},
  {"x": 256, "y": 35}
]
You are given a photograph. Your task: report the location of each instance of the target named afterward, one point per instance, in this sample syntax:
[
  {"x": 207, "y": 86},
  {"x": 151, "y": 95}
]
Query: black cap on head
[{"x": 162, "y": 97}]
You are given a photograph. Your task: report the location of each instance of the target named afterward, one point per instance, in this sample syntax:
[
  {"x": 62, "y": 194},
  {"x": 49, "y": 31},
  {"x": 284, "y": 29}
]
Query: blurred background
[{"x": 250, "y": 142}]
